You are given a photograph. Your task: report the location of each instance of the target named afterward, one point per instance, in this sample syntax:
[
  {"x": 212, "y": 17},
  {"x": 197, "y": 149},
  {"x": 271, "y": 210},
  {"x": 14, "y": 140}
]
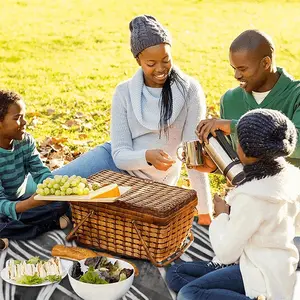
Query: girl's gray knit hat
[
  {"x": 146, "y": 31},
  {"x": 266, "y": 133}
]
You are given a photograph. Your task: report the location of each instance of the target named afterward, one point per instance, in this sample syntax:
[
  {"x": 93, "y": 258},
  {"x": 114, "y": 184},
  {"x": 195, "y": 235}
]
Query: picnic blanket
[{"x": 149, "y": 284}]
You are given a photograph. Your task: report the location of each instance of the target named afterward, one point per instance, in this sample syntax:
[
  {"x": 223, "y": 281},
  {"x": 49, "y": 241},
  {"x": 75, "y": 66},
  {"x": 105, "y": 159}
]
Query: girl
[
  {"x": 258, "y": 233},
  {"x": 152, "y": 114}
]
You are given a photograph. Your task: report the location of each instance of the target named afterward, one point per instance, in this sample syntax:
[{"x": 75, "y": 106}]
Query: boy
[{"x": 22, "y": 217}]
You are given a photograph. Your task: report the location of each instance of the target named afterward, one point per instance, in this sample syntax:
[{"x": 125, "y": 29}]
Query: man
[{"x": 262, "y": 85}]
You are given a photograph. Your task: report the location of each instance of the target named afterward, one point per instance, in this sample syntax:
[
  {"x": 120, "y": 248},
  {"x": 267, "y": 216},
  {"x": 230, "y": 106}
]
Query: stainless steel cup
[{"x": 193, "y": 153}]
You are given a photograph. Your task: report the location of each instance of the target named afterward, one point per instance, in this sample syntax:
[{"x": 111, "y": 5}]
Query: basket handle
[
  {"x": 173, "y": 257},
  {"x": 71, "y": 236}
]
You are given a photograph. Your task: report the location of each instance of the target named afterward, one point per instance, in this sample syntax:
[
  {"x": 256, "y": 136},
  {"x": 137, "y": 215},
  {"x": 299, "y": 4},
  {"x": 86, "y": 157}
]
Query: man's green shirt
[{"x": 284, "y": 96}]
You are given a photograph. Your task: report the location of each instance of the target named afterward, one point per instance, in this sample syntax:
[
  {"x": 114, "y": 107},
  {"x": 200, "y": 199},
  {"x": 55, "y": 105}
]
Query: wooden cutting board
[{"x": 85, "y": 198}]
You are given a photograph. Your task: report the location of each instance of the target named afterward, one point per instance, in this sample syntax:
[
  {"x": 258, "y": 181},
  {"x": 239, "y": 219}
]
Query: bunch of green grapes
[{"x": 64, "y": 186}]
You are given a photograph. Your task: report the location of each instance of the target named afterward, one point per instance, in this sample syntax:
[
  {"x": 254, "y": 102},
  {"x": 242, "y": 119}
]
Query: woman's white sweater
[{"x": 135, "y": 129}]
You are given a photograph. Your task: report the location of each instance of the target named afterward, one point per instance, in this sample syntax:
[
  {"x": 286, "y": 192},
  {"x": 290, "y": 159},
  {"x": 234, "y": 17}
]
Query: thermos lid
[{"x": 238, "y": 179}]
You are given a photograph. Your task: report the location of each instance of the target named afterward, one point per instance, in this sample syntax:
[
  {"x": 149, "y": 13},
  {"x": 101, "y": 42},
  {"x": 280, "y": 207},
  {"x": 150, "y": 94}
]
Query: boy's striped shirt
[{"x": 15, "y": 165}]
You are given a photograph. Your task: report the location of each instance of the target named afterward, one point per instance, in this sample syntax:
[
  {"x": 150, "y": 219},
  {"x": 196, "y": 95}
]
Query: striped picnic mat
[{"x": 148, "y": 285}]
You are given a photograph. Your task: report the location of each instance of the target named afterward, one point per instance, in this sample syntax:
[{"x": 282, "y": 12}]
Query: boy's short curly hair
[{"x": 7, "y": 98}]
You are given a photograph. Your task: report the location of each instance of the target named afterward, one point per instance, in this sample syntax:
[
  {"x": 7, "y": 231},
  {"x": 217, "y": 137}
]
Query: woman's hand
[
  {"x": 29, "y": 203},
  {"x": 159, "y": 159},
  {"x": 220, "y": 206},
  {"x": 208, "y": 165},
  {"x": 205, "y": 127}
]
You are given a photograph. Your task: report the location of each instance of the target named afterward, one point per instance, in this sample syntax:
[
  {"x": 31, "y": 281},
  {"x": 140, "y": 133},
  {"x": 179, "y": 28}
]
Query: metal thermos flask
[{"x": 226, "y": 159}]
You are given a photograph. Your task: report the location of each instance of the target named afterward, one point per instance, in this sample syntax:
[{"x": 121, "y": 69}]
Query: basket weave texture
[{"x": 150, "y": 215}]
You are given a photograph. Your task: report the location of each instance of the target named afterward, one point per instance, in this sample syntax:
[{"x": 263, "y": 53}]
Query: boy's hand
[
  {"x": 220, "y": 206},
  {"x": 36, "y": 203},
  {"x": 159, "y": 159},
  {"x": 30, "y": 203}
]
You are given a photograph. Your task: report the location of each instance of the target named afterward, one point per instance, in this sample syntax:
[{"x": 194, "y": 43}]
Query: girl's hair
[
  {"x": 166, "y": 100},
  {"x": 7, "y": 98}
]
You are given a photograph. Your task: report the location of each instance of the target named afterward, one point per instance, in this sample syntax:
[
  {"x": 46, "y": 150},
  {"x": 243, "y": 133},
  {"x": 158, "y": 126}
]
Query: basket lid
[{"x": 146, "y": 196}]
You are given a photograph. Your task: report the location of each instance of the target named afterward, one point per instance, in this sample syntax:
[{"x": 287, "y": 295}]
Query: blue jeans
[
  {"x": 206, "y": 281},
  {"x": 89, "y": 163},
  {"x": 33, "y": 222},
  {"x": 94, "y": 161}
]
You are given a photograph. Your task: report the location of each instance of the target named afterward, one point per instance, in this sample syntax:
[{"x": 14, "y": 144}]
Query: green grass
[{"x": 68, "y": 55}]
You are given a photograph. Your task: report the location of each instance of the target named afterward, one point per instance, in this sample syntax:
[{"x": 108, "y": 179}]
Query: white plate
[
  {"x": 65, "y": 266},
  {"x": 86, "y": 198}
]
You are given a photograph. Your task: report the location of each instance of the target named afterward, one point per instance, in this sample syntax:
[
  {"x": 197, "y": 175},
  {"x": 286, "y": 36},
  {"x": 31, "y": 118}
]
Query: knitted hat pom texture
[
  {"x": 146, "y": 32},
  {"x": 266, "y": 133}
]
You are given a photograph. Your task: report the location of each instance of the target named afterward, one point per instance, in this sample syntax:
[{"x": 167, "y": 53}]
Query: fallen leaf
[
  {"x": 87, "y": 125},
  {"x": 50, "y": 111},
  {"x": 34, "y": 122},
  {"x": 59, "y": 140},
  {"x": 79, "y": 143},
  {"x": 46, "y": 142},
  {"x": 33, "y": 114},
  {"x": 71, "y": 123},
  {"x": 83, "y": 136},
  {"x": 55, "y": 163},
  {"x": 79, "y": 115}
]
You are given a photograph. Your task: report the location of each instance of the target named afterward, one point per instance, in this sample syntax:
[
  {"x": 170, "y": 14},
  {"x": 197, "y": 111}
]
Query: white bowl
[{"x": 110, "y": 291}]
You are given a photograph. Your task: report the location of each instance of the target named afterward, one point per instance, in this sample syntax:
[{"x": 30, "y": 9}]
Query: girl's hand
[
  {"x": 159, "y": 159},
  {"x": 220, "y": 206}
]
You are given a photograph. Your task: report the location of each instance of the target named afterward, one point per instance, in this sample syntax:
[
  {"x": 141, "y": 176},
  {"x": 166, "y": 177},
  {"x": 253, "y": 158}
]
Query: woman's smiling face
[{"x": 156, "y": 62}]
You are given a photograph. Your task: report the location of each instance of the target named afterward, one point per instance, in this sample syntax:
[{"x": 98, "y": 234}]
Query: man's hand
[
  {"x": 159, "y": 159},
  {"x": 205, "y": 127},
  {"x": 29, "y": 203},
  {"x": 220, "y": 206}
]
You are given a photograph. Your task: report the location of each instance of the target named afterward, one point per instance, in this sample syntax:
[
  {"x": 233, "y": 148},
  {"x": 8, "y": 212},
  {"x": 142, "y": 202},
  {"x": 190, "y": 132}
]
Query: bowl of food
[{"x": 109, "y": 277}]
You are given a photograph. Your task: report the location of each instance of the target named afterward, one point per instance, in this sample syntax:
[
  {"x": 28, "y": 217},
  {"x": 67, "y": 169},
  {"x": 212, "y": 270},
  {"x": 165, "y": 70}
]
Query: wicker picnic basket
[{"x": 150, "y": 221}]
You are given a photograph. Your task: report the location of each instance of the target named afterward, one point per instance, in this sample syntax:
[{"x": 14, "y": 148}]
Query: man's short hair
[{"x": 254, "y": 40}]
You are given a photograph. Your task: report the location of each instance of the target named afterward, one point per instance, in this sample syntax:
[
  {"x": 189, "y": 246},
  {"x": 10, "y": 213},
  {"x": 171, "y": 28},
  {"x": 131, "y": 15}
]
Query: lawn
[{"x": 66, "y": 56}]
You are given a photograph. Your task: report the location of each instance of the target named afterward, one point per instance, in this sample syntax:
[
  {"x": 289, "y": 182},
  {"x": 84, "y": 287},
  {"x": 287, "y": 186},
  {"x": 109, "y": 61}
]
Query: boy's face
[{"x": 14, "y": 124}]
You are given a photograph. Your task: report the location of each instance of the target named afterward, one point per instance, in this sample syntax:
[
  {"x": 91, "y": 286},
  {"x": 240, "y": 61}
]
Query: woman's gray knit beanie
[{"x": 146, "y": 31}]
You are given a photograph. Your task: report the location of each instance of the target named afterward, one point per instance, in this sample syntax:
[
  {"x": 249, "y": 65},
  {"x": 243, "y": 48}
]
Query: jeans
[
  {"x": 33, "y": 222},
  {"x": 94, "y": 161},
  {"x": 206, "y": 281}
]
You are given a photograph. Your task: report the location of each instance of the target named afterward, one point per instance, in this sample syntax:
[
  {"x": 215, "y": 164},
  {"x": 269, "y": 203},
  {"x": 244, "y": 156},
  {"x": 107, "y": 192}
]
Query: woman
[
  {"x": 152, "y": 114},
  {"x": 256, "y": 238}
]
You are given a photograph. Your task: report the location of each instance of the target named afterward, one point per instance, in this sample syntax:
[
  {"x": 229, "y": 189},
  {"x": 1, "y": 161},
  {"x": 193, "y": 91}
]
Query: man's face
[
  {"x": 156, "y": 62},
  {"x": 14, "y": 124},
  {"x": 249, "y": 69}
]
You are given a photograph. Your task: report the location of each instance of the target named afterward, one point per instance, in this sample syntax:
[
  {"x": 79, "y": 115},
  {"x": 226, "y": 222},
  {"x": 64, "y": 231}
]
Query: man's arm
[{"x": 296, "y": 121}]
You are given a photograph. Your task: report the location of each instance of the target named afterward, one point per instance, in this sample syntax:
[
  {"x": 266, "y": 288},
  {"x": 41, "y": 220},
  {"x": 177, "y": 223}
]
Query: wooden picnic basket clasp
[
  {"x": 71, "y": 235},
  {"x": 171, "y": 258}
]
